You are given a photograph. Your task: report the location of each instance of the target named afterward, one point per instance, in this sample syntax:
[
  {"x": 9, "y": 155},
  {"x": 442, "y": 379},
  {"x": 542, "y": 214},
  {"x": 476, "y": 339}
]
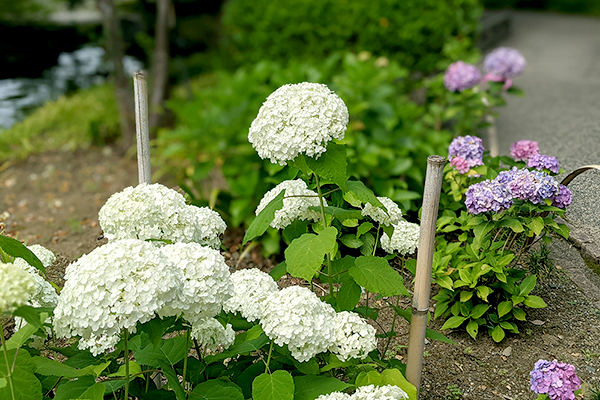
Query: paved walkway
[{"x": 561, "y": 109}]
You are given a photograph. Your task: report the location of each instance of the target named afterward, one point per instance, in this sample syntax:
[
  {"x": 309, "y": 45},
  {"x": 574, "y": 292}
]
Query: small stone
[
  {"x": 507, "y": 351},
  {"x": 538, "y": 322}
]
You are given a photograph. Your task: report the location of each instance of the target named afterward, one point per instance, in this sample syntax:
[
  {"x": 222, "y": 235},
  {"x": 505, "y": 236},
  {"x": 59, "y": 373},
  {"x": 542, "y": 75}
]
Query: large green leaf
[
  {"x": 25, "y": 384},
  {"x": 16, "y": 249},
  {"x": 394, "y": 377},
  {"x": 435, "y": 335},
  {"x": 349, "y": 294},
  {"x": 534, "y": 302},
  {"x": 304, "y": 256},
  {"x": 536, "y": 225},
  {"x": 498, "y": 333},
  {"x": 472, "y": 329},
  {"x": 512, "y": 223},
  {"x": 264, "y": 218},
  {"x": 156, "y": 327},
  {"x": 357, "y": 193},
  {"x": 331, "y": 165},
  {"x": 170, "y": 351},
  {"x": 173, "y": 379},
  {"x": 276, "y": 386},
  {"x": 453, "y": 322},
  {"x": 216, "y": 389},
  {"x": 309, "y": 387},
  {"x": 376, "y": 275},
  {"x": 504, "y": 308},
  {"x": 83, "y": 388},
  {"x": 46, "y": 366},
  {"x": 527, "y": 285}
]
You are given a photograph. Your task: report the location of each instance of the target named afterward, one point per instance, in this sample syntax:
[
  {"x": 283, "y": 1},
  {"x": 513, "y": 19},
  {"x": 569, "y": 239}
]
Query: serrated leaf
[
  {"x": 296, "y": 229},
  {"x": 216, "y": 389},
  {"x": 311, "y": 387},
  {"x": 472, "y": 329},
  {"x": 16, "y": 249},
  {"x": 534, "y": 302},
  {"x": 453, "y": 322},
  {"x": 498, "y": 334},
  {"x": 331, "y": 165},
  {"x": 357, "y": 193},
  {"x": 83, "y": 388},
  {"x": 170, "y": 352},
  {"x": 134, "y": 368},
  {"x": 376, "y": 275},
  {"x": 276, "y": 386},
  {"x": 22, "y": 335},
  {"x": 349, "y": 294},
  {"x": 504, "y": 308},
  {"x": 25, "y": 383},
  {"x": 264, "y": 218},
  {"x": 173, "y": 379},
  {"x": 304, "y": 256}
]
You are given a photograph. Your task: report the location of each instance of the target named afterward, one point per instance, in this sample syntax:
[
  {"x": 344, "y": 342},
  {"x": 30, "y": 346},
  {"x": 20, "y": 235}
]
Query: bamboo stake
[
  {"x": 141, "y": 127},
  {"x": 420, "y": 304},
  {"x": 492, "y": 136}
]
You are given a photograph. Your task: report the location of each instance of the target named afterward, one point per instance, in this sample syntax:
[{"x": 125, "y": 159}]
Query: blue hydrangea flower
[
  {"x": 461, "y": 76},
  {"x": 488, "y": 196},
  {"x": 469, "y": 148},
  {"x": 541, "y": 162},
  {"x": 533, "y": 186}
]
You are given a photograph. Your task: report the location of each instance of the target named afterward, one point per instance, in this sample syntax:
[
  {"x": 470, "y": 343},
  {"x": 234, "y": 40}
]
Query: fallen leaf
[{"x": 538, "y": 322}]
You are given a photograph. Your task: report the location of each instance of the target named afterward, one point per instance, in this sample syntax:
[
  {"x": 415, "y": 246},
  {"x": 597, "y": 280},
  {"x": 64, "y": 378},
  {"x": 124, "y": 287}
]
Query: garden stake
[
  {"x": 141, "y": 127},
  {"x": 420, "y": 304}
]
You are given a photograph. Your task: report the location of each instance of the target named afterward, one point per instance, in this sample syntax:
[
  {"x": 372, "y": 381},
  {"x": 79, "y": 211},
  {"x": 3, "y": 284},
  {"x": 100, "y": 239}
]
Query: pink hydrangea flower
[
  {"x": 460, "y": 164},
  {"x": 461, "y": 76},
  {"x": 523, "y": 149}
]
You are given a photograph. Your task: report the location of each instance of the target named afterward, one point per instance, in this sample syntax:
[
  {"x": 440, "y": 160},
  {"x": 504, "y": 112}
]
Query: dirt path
[{"x": 53, "y": 199}]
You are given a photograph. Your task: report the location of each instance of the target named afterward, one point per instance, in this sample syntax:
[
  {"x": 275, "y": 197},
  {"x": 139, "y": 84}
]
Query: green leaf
[
  {"x": 264, "y": 218},
  {"x": 279, "y": 271},
  {"x": 527, "y": 285},
  {"x": 444, "y": 281},
  {"x": 479, "y": 310},
  {"x": 331, "y": 165},
  {"x": 295, "y": 229},
  {"x": 453, "y": 322},
  {"x": 83, "y": 388},
  {"x": 46, "y": 366},
  {"x": 498, "y": 334},
  {"x": 304, "y": 256},
  {"x": 504, "y": 308},
  {"x": 368, "y": 378},
  {"x": 310, "y": 367},
  {"x": 309, "y": 387},
  {"x": 16, "y": 249},
  {"x": 351, "y": 241},
  {"x": 349, "y": 294},
  {"x": 563, "y": 230},
  {"x": 170, "y": 352},
  {"x": 340, "y": 267},
  {"x": 394, "y": 377},
  {"x": 465, "y": 295},
  {"x": 512, "y": 223},
  {"x": 534, "y": 302},
  {"x": 277, "y": 386},
  {"x": 25, "y": 383},
  {"x": 216, "y": 389},
  {"x": 376, "y": 275},
  {"x": 472, "y": 329},
  {"x": 435, "y": 335},
  {"x": 363, "y": 228},
  {"x": 156, "y": 327},
  {"x": 483, "y": 292},
  {"x": 357, "y": 193},
  {"x": 173, "y": 379},
  {"x": 519, "y": 314},
  {"x": 134, "y": 368},
  {"x": 536, "y": 225},
  {"x": 22, "y": 335}
]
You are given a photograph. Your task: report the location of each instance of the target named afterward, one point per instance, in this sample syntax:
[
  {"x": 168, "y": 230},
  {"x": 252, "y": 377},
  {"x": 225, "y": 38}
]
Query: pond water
[{"x": 79, "y": 69}]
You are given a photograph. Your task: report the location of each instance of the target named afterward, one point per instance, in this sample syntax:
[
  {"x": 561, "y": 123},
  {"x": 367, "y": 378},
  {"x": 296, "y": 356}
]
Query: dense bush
[
  {"x": 413, "y": 32},
  {"x": 575, "y": 6}
]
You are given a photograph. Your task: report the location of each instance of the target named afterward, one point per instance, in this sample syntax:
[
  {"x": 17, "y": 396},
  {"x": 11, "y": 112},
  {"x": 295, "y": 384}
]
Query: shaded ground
[{"x": 53, "y": 199}]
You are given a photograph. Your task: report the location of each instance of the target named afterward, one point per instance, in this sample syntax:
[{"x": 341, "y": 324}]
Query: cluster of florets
[
  {"x": 466, "y": 152},
  {"x": 370, "y": 392},
  {"x": 45, "y": 256},
  {"x": 533, "y": 186},
  {"x": 389, "y": 215},
  {"x": 556, "y": 379},
  {"x": 563, "y": 198},
  {"x": 212, "y": 334},
  {"x": 461, "y": 76},
  {"x": 16, "y": 287},
  {"x": 502, "y": 65},
  {"x": 155, "y": 212},
  {"x": 298, "y": 119},
  {"x": 404, "y": 240},
  {"x": 44, "y": 294},
  {"x": 542, "y": 162},
  {"x": 296, "y": 203},
  {"x": 251, "y": 289},
  {"x": 354, "y": 338},
  {"x": 488, "y": 196},
  {"x": 522, "y": 150}
]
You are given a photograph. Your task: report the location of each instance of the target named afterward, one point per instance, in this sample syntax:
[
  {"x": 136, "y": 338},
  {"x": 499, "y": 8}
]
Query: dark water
[{"x": 79, "y": 69}]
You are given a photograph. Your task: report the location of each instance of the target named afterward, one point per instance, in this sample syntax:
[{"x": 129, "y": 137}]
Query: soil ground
[{"x": 53, "y": 199}]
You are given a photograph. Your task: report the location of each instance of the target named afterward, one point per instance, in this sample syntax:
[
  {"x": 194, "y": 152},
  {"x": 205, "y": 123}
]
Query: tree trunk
[
  {"x": 116, "y": 52},
  {"x": 160, "y": 61}
]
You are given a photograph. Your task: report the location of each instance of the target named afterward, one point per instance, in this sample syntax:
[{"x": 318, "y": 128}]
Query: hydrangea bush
[
  {"x": 554, "y": 380},
  {"x": 494, "y": 209}
]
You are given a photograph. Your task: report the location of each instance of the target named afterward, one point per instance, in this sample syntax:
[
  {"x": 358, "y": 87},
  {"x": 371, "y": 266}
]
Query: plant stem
[
  {"x": 391, "y": 330},
  {"x": 269, "y": 359},
  {"x": 328, "y": 256},
  {"x": 126, "y": 397},
  {"x": 8, "y": 369},
  {"x": 376, "y": 238},
  {"x": 185, "y": 360}
]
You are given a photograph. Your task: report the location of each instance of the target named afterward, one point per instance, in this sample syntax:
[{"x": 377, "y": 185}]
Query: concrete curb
[{"x": 589, "y": 249}]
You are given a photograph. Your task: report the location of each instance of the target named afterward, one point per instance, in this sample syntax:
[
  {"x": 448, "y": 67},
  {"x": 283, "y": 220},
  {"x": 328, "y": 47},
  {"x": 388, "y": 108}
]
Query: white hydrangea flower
[
  {"x": 354, "y": 337},
  {"x": 207, "y": 283},
  {"x": 211, "y": 333},
  {"x": 392, "y": 214},
  {"x": 334, "y": 396},
  {"x": 405, "y": 238},
  {"x": 298, "y": 119},
  {"x": 372, "y": 392},
  {"x": 297, "y": 317},
  {"x": 16, "y": 287},
  {"x": 252, "y": 287},
  {"x": 293, "y": 207},
  {"x": 44, "y": 295},
  {"x": 113, "y": 288},
  {"x": 46, "y": 256},
  {"x": 159, "y": 213}
]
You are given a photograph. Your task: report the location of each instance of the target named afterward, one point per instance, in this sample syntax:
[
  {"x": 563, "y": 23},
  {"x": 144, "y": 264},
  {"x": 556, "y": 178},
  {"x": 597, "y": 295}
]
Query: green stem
[
  {"x": 328, "y": 256},
  {"x": 376, "y": 239},
  {"x": 391, "y": 330},
  {"x": 4, "y": 257},
  {"x": 269, "y": 359},
  {"x": 8, "y": 369},
  {"x": 126, "y": 397},
  {"x": 185, "y": 360}
]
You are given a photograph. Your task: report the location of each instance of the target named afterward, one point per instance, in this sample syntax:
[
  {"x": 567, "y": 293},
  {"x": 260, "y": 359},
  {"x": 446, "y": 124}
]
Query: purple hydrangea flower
[
  {"x": 533, "y": 186},
  {"x": 541, "y": 162},
  {"x": 504, "y": 62},
  {"x": 556, "y": 379},
  {"x": 524, "y": 149},
  {"x": 488, "y": 196},
  {"x": 469, "y": 148},
  {"x": 461, "y": 76},
  {"x": 563, "y": 198},
  {"x": 505, "y": 177}
]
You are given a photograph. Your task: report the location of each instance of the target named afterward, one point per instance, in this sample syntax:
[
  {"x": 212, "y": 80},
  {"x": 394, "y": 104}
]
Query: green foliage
[
  {"x": 84, "y": 118},
  {"x": 415, "y": 32},
  {"x": 590, "y": 7},
  {"x": 14, "y": 249},
  {"x": 539, "y": 261}
]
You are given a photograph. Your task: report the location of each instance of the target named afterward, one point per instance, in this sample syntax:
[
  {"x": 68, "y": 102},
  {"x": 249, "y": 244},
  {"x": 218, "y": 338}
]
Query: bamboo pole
[
  {"x": 141, "y": 127},
  {"x": 420, "y": 303},
  {"x": 492, "y": 136}
]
